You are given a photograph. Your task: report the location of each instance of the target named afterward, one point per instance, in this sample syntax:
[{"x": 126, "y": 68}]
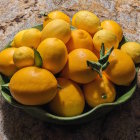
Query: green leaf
[
  {"x": 102, "y": 51},
  {"x": 124, "y": 40},
  {"x": 104, "y": 58},
  {"x": 39, "y": 27},
  {"x": 102, "y": 62},
  {"x": 38, "y": 59},
  {"x": 105, "y": 65},
  {"x": 4, "y": 79},
  {"x": 5, "y": 86},
  {"x": 10, "y": 99},
  {"x": 95, "y": 66},
  {"x": 72, "y": 27}
]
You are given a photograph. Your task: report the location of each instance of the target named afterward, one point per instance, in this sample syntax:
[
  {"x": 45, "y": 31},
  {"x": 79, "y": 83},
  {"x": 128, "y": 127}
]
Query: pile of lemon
[{"x": 74, "y": 65}]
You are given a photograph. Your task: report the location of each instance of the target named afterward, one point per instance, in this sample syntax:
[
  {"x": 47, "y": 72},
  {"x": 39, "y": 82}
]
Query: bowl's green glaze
[{"x": 42, "y": 113}]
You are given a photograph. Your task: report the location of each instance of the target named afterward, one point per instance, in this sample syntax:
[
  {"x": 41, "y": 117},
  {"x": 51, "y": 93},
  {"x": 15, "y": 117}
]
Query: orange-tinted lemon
[
  {"x": 7, "y": 66},
  {"x": 77, "y": 69},
  {"x": 99, "y": 91},
  {"x": 80, "y": 39},
  {"x": 121, "y": 69},
  {"x": 33, "y": 86},
  {"x": 69, "y": 100}
]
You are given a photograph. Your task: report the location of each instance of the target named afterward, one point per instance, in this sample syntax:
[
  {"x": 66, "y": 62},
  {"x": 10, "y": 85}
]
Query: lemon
[
  {"x": 99, "y": 91},
  {"x": 31, "y": 38},
  {"x": 80, "y": 39},
  {"x": 23, "y": 57},
  {"x": 107, "y": 37},
  {"x": 121, "y": 69},
  {"x": 7, "y": 66},
  {"x": 77, "y": 69},
  {"x": 18, "y": 38},
  {"x": 57, "y": 28},
  {"x": 54, "y": 54},
  {"x": 55, "y": 15},
  {"x": 33, "y": 86},
  {"x": 87, "y": 21},
  {"x": 133, "y": 50},
  {"x": 69, "y": 100},
  {"x": 114, "y": 27}
]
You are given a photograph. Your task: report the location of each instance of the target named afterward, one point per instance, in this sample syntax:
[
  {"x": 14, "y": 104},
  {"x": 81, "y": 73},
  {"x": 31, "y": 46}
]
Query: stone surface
[{"x": 123, "y": 123}]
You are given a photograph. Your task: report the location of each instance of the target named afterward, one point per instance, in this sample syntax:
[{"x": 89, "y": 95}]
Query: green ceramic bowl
[{"x": 43, "y": 113}]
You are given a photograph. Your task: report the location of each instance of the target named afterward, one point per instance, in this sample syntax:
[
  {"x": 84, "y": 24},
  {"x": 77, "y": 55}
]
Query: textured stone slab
[{"x": 122, "y": 123}]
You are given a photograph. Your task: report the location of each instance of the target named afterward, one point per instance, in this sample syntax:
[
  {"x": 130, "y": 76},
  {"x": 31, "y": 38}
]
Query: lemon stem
[
  {"x": 102, "y": 63},
  {"x": 104, "y": 96},
  {"x": 58, "y": 86},
  {"x": 43, "y": 14}
]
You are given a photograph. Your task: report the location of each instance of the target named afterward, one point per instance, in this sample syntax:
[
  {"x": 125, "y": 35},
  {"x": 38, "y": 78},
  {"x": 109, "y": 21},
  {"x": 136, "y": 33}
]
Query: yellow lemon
[
  {"x": 18, "y": 38},
  {"x": 7, "y": 66},
  {"x": 31, "y": 38},
  {"x": 107, "y": 37},
  {"x": 133, "y": 50},
  {"x": 23, "y": 57},
  {"x": 33, "y": 86},
  {"x": 114, "y": 27},
  {"x": 87, "y": 21},
  {"x": 69, "y": 100},
  {"x": 99, "y": 91},
  {"x": 57, "y": 28},
  {"x": 55, "y": 15},
  {"x": 80, "y": 39},
  {"x": 54, "y": 54}
]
